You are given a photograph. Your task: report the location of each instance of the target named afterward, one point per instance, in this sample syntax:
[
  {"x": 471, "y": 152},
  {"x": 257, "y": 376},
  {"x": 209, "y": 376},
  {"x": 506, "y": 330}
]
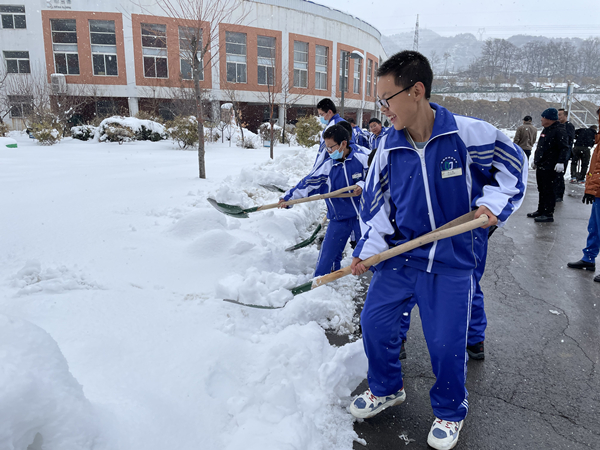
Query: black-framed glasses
[
  {"x": 383, "y": 102},
  {"x": 330, "y": 149}
]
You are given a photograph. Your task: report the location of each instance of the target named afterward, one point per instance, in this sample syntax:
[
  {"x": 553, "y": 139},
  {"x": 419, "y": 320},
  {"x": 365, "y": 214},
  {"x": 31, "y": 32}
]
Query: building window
[
  {"x": 235, "y": 44},
  {"x": 369, "y": 76},
  {"x": 154, "y": 50},
  {"x": 344, "y": 59},
  {"x": 190, "y": 43},
  {"x": 64, "y": 46},
  {"x": 20, "y": 106},
  {"x": 266, "y": 60},
  {"x": 321, "y": 56},
  {"x": 300, "y": 64},
  {"x": 17, "y": 62},
  {"x": 357, "y": 74},
  {"x": 104, "y": 47},
  {"x": 13, "y": 16}
]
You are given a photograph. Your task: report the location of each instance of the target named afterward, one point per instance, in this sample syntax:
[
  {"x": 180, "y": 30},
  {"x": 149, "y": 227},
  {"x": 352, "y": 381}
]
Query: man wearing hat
[
  {"x": 526, "y": 135},
  {"x": 550, "y": 158}
]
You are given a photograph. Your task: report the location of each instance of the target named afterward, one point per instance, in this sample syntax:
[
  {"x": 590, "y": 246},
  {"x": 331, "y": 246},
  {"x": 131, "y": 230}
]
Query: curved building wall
[{"x": 133, "y": 73}]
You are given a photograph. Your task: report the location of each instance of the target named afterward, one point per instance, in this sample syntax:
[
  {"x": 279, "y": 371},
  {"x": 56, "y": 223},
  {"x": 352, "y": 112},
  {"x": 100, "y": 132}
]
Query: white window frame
[
  {"x": 357, "y": 76},
  {"x": 21, "y": 102},
  {"x": 13, "y": 11},
  {"x": 103, "y": 50},
  {"x": 65, "y": 49},
  {"x": 185, "y": 54},
  {"x": 154, "y": 52},
  {"x": 301, "y": 65},
  {"x": 321, "y": 69},
  {"x": 266, "y": 63},
  {"x": 369, "y": 76},
  {"x": 238, "y": 61},
  {"x": 18, "y": 60}
]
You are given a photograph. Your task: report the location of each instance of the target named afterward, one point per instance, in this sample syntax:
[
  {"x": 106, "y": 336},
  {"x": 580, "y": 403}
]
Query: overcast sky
[{"x": 552, "y": 18}]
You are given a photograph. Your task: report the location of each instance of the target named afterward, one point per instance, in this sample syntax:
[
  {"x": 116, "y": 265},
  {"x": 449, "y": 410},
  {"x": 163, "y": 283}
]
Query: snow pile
[
  {"x": 32, "y": 279},
  {"x": 126, "y": 128},
  {"x": 6, "y": 142},
  {"x": 38, "y": 394}
]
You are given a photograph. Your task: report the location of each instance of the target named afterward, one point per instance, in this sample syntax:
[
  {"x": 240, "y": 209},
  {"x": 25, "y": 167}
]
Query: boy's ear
[{"x": 419, "y": 90}]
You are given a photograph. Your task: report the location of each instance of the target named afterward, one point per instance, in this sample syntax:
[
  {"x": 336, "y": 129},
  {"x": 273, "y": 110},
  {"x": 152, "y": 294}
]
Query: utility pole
[{"x": 416, "y": 39}]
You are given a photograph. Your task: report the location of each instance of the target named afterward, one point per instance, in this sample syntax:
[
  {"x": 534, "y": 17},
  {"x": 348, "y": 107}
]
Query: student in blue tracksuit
[
  {"x": 345, "y": 166},
  {"x": 348, "y": 127},
  {"x": 377, "y": 133},
  {"x": 478, "y": 322},
  {"x": 329, "y": 117},
  {"x": 430, "y": 168},
  {"x": 360, "y": 137}
]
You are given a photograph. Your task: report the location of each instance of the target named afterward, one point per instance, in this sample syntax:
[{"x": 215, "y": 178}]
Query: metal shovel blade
[
  {"x": 230, "y": 210},
  {"x": 305, "y": 242},
  {"x": 273, "y": 188}
]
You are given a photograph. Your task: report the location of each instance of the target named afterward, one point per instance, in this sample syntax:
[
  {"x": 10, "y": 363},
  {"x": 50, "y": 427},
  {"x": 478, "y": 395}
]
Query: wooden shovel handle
[
  {"x": 339, "y": 192},
  {"x": 435, "y": 235}
]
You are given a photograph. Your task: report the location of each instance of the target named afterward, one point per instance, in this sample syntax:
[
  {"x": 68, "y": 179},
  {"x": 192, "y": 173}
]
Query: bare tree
[{"x": 198, "y": 22}]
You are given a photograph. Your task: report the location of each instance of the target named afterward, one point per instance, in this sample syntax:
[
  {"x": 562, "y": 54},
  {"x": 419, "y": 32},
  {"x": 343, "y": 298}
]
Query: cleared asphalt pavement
[{"x": 538, "y": 387}]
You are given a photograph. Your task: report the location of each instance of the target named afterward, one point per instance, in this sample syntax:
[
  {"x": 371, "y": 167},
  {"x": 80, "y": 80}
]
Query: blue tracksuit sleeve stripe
[
  {"x": 488, "y": 146},
  {"x": 375, "y": 209},
  {"x": 316, "y": 182}
]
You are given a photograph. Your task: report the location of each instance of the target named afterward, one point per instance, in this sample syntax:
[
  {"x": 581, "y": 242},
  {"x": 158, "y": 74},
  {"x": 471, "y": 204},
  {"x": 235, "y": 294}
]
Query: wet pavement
[{"x": 538, "y": 387}]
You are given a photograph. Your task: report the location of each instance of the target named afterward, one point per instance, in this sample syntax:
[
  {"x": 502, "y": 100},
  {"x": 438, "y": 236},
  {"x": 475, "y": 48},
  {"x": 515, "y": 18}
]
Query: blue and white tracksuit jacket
[
  {"x": 466, "y": 163},
  {"x": 342, "y": 213},
  {"x": 361, "y": 137},
  {"x": 374, "y": 140},
  {"x": 322, "y": 153}
]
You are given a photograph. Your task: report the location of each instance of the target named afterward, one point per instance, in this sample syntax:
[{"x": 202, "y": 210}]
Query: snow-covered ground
[{"x": 113, "y": 332}]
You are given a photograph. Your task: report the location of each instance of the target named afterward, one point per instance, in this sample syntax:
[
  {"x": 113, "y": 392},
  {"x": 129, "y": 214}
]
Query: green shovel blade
[
  {"x": 231, "y": 210},
  {"x": 305, "y": 242}
]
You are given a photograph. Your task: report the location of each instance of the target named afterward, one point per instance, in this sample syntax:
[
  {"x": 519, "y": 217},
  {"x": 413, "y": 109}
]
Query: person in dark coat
[
  {"x": 550, "y": 158},
  {"x": 526, "y": 136},
  {"x": 559, "y": 188},
  {"x": 584, "y": 141}
]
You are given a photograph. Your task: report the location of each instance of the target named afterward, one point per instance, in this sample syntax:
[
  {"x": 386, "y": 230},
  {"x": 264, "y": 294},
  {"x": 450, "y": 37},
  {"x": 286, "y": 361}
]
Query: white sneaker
[
  {"x": 367, "y": 405},
  {"x": 444, "y": 434}
]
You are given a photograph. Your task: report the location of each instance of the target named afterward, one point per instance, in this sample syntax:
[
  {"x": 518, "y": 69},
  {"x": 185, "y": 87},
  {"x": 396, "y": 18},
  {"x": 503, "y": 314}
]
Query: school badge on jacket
[{"x": 450, "y": 167}]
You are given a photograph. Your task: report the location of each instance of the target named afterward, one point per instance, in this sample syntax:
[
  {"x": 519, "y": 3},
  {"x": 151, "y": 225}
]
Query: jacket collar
[{"x": 444, "y": 123}]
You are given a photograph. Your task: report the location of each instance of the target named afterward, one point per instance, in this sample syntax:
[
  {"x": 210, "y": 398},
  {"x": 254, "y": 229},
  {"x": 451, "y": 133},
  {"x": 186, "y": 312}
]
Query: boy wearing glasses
[
  {"x": 430, "y": 168},
  {"x": 345, "y": 166}
]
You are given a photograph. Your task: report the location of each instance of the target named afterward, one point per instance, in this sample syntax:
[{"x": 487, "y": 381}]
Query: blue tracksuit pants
[
  {"x": 593, "y": 240},
  {"x": 332, "y": 249},
  {"x": 445, "y": 305},
  {"x": 478, "y": 322}
]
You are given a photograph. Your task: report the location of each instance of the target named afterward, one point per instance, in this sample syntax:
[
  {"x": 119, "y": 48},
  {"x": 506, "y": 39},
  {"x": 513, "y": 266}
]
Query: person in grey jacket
[{"x": 526, "y": 136}]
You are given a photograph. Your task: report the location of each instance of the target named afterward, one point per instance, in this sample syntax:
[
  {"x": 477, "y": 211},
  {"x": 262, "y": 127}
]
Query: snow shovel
[
  {"x": 273, "y": 188},
  {"x": 310, "y": 240},
  {"x": 459, "y": 225},
  {"x": 240, "y": 213}
]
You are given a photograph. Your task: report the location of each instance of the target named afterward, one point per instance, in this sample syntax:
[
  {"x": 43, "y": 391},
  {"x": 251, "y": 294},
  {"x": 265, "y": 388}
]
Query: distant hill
[{"x": 462, "y": 48}]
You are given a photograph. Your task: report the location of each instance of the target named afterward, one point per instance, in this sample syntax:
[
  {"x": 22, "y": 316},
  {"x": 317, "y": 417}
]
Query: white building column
[
  {"x": 280, "y": 121},
  {"x": 134, "y": 106}
]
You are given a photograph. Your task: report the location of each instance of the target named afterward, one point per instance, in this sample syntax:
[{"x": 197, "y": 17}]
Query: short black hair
[
  {"x": 326, "y": 105},
  {"x": 527, "y": 119},
  {"x": 376, "y": 120},
  {"x": 338, "y": 133},
  {"x": 564, "y": 110},
  {"x": 408, "y": 67},
  {"x": 346, "y": 126},
  {"x": 350, "y": 120}
]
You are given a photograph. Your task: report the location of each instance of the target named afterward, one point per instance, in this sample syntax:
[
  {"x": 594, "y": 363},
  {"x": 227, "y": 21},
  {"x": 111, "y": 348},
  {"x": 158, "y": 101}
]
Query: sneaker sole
[
  {"x": 452, "y": 445},
  {"x": 477, "y": 356},
  {"x": 582, "y": 268},
  {"x": 361, "y": 415}
]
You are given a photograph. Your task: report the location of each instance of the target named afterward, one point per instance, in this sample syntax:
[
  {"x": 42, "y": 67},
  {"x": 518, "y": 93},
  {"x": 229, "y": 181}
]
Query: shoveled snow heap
[{"x": 115, "y": 253}]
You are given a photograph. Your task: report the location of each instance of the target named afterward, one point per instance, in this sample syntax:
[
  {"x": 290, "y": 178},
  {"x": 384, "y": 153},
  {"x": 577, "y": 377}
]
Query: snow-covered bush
[
  {"x": 3, "y": 130},
  {"x": 184, "y": 131},
  {"x": 307, "y": 131},
  {"x": 123, "y": 129},
  {"x": 83, "y": 132},
  {"x": 251, "y": 140},
  {"x": 290, "y": 134},
  {"x": 265, "y": 132},
  {"x": 46, "y": 132}
]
